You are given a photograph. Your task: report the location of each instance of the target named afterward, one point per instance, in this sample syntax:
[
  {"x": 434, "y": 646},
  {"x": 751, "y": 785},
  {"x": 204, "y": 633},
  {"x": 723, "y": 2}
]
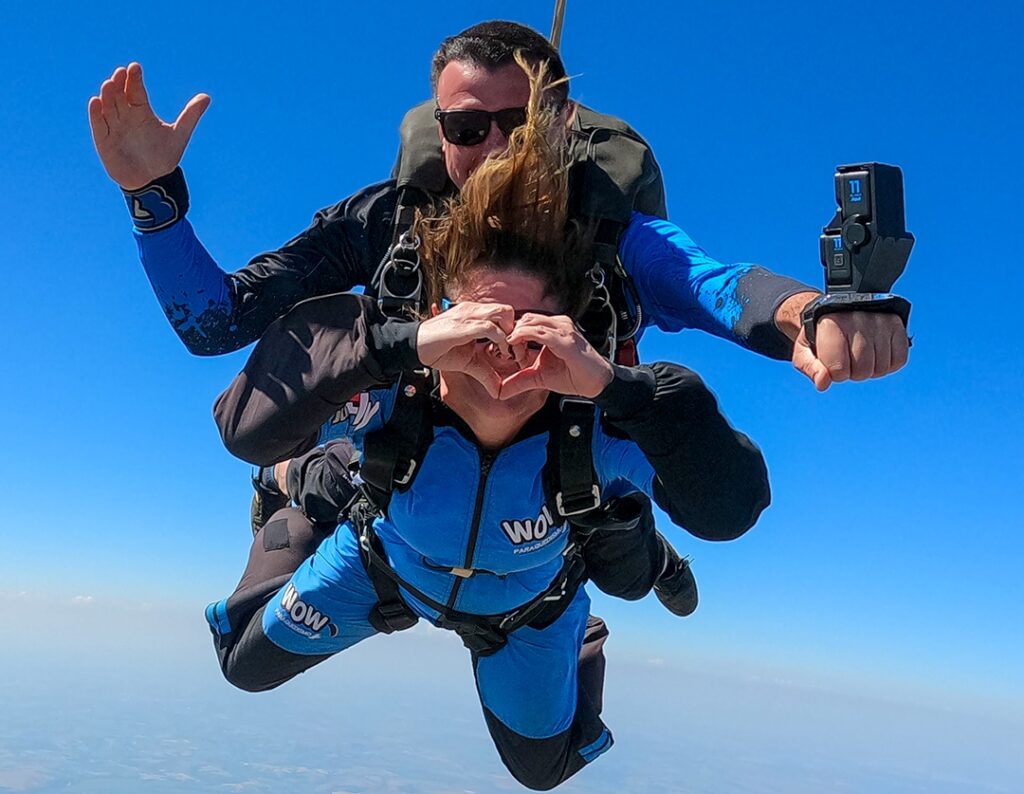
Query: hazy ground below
[{"x": 109, "y": 700}]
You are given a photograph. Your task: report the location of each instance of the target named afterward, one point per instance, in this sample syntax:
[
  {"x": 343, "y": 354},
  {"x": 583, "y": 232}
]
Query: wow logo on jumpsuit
[{"x": 303, "y": 618}]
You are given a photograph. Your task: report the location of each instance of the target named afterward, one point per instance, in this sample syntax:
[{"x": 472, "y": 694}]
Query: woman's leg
[
  {"x": 541, "y": 695},
  {"x": 301, "y": 600}
]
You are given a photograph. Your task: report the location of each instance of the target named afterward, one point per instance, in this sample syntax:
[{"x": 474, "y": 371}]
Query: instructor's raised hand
[{"x": 133, "y": 143}]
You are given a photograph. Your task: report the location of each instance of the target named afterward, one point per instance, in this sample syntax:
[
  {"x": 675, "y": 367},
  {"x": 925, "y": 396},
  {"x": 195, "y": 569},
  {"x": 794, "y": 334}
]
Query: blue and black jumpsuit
[
  {"x": 467, "y": 511},
  {"x": 678, "y": 286}
]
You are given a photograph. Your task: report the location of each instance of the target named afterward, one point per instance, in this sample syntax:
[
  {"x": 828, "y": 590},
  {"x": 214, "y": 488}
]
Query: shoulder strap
[
  {"x": 398, "y": 282},
  {"x": 392, "y": 455},
  {"x": 614, "y": 170},
  {"x": 569, "y": 478}
]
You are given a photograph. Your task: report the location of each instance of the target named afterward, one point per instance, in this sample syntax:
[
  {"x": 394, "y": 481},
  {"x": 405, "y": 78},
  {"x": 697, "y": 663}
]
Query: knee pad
[{"x": 288, "y": 528}]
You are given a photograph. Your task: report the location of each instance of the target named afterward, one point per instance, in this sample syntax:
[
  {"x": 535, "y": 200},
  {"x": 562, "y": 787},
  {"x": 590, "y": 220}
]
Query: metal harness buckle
[
  {"x": 592, "y": 503},
  {"x": 407, "y": 477}
]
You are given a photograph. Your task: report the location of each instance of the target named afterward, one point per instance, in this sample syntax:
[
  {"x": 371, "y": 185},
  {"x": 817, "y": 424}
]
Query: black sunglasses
[{"x": 471, "y": 127}]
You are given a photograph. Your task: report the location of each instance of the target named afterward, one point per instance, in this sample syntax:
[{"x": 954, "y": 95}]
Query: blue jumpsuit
[{"x": 660, "y": 432}]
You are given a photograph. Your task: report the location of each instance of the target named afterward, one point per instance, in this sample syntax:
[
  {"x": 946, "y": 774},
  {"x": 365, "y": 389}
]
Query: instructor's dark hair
[{"x": 494, "y": 44}]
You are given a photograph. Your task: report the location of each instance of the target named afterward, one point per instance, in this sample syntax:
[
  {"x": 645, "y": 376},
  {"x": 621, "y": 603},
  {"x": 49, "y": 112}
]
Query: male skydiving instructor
[{"x": 480, "y": 94}]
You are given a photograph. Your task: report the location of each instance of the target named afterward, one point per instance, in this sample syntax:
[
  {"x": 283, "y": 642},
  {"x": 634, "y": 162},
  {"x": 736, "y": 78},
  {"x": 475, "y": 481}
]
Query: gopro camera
[{"x": 865, "y": 247}]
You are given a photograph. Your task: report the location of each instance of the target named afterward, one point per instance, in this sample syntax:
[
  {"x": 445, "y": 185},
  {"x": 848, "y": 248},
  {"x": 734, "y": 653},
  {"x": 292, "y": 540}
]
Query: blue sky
[{"x": 890, "y": 559}]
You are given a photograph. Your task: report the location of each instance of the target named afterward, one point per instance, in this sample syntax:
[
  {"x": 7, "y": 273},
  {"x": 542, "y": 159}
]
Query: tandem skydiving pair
[{"x": 508, "y": 441}]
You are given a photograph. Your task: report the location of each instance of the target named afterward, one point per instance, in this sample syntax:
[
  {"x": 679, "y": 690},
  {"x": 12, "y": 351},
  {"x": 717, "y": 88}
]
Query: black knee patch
[
  {"x": 543, "y": 764},
  {"x": 275, "y": 534}
]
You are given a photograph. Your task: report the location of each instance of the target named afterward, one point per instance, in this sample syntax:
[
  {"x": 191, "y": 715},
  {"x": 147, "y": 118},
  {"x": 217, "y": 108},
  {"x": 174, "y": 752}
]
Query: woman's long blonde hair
[{"x": 513, "y": 213}]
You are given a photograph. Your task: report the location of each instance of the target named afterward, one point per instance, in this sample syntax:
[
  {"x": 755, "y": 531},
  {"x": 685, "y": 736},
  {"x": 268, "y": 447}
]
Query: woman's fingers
[{"x": 524, "y": 380}]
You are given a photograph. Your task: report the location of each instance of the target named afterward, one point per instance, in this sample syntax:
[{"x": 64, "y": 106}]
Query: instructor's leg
[
  {"x": 626, "y": 556},
  {"x": 541, "y": 695},
  {"x": 622, "y": 552}
]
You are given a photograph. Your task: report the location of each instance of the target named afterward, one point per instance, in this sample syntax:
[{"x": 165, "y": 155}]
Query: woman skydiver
[{"x": 467, "y": 528}]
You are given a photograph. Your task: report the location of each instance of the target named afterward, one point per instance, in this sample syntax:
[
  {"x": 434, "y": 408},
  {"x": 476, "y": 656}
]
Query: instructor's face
[{"x": 466, "y": 86}]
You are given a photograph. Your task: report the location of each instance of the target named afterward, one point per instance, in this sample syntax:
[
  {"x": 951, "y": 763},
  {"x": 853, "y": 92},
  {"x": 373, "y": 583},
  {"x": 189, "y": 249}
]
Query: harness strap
[
  {"x": 614, "y": 316},
  {"x": 391, "y": 455},
  {"x": 399, "y": 277},
  {"x": 482, "y": 634},
  {"x": 390, "y": 613},
  {"x": 569, "y": 470}
]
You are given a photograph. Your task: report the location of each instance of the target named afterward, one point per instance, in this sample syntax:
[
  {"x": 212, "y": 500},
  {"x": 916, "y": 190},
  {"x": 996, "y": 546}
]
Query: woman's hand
[
  {"x": 566, "y": 364},
  {"x": 465, "y": 339}
]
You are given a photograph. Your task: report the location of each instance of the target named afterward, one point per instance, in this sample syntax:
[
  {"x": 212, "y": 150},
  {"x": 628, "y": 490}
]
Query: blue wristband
[{"x": 161, "y": 203}]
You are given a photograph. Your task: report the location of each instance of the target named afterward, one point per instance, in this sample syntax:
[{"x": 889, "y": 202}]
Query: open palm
[{"x": 134, "y": 144}]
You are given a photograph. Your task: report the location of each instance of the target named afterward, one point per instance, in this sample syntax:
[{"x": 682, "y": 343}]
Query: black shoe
[
  {"x": 266, "y": 501},
  {"x": 676, "y": 588}
]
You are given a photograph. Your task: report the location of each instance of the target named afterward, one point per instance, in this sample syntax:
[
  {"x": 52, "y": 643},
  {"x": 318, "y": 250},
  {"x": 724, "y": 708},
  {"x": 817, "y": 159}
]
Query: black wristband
[
  {"x": 631, "y": 389},
  {"x": 161, "y": 203},
  {"x": 836, "y": 302}
]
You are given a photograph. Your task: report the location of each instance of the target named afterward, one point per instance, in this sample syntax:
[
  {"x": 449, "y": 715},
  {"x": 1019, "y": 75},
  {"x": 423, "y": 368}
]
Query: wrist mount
[
  {"x": 884, "y": 302},
  {"x": 865, "y": 247},
  {"x": 161, "y": 203}
]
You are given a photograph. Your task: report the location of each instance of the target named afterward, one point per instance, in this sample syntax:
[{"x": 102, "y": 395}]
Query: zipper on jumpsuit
[{"x": 486, "y": 461}]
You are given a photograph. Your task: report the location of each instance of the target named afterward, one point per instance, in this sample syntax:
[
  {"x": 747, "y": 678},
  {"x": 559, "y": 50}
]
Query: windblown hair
[
  {"x": 497, "y": 43},
  {"x": 512, "y": 213}
]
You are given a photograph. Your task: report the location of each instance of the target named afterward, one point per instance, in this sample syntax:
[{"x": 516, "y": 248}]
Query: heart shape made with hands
[
  {"x": 496, "y": 366},
  {"x": 510, "y": 356},
  {"x": 541, "y": 352}
]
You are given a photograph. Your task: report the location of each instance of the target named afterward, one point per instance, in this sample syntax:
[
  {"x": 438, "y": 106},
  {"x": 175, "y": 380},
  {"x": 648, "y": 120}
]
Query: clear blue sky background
[{"x": 891, "y": 556}]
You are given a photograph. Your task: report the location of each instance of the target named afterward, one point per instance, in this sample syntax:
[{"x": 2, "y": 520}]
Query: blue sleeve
[
  {"x": 215, "y": 312},
  {"x": 620, "y": 463},
  {"x": 190, "y": 286},
  {"x": 680, "y": 286}
]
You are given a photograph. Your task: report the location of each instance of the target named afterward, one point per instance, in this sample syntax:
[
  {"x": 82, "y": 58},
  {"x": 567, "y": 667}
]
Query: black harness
[
  {"x": 481, "y": 634},
  {"x": 391, "y": 461},
  {"x": 613, "y": 172}
]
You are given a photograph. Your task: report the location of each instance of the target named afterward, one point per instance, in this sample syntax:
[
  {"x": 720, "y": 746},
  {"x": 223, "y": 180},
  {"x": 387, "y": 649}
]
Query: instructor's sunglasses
[{"x": 471, "y": 127}]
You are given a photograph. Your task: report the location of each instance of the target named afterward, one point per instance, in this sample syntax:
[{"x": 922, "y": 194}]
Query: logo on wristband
[{"x": 152, "y": 209}]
